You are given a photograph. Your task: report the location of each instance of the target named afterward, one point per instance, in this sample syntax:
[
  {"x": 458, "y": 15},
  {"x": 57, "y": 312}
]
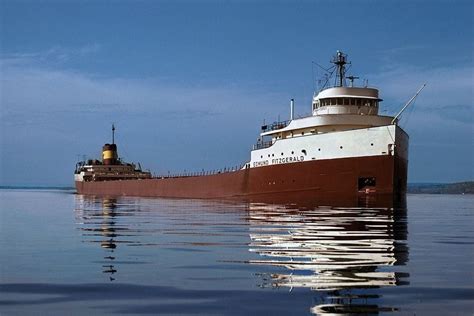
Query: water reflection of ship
[
  {"x": 108, "y": 231},
  {"x": 88, "y": 211},
  {"x": 334, "y": 250}
]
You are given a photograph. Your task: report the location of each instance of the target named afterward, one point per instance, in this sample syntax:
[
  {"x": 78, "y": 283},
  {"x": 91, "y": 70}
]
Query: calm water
[{"x": 66, "y": 254}]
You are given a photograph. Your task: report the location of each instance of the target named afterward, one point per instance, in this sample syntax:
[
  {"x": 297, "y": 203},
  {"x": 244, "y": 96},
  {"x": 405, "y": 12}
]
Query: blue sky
[{"x": 188, "y": 83}]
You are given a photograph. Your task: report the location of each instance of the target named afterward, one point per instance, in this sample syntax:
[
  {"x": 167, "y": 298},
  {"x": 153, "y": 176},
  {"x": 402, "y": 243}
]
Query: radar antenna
[
  {"x": 351, "y": 79},
  {"x": 340, "y": 60}
]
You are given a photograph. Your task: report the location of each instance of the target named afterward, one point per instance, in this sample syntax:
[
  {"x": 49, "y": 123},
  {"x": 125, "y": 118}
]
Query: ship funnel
[
  {"x": 109, "y": 154},
  {"x": 109, "y": 151},
  {"x": 292, "y": 109}
]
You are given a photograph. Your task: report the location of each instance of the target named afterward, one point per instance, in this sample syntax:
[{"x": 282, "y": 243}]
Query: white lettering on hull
[
  {"x": 287, "y": 160},
  {"x": 260, "y": 163},
  {"x": 278, "y": 161}
]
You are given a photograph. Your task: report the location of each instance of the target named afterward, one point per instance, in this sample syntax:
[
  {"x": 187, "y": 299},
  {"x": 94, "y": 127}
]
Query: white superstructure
[{"x": 344, "y": 123}]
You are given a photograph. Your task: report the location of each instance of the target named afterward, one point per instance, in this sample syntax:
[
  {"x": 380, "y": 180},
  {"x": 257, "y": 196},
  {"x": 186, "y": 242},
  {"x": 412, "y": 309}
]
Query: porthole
[
  {"x": 372, "y": 144},
  {"x": 282, "y": 154},
  {"x": 268, "y": 155},
  {"x": 319, "y": 149},
  {"x": 273, "y": 155},
  {"x": 261, "y": 156},
  {"x": 292, "y": 152},
  {"x": 340, "y": 147},
  {"x": 304, "y": 151}
]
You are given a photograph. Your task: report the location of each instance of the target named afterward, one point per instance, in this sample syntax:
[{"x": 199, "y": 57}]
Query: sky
[{"x": 188, "y": 83}]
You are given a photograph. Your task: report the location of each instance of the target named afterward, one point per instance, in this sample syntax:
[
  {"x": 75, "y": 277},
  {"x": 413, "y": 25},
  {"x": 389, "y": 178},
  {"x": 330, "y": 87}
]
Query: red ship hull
[{"x": 317, "y": 180}]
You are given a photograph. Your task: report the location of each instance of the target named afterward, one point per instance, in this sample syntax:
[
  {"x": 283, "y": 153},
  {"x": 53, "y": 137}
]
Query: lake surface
[{"x": 66, "y": 254}]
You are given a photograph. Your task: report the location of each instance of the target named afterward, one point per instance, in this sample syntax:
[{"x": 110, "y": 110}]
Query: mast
[
  {"x": 113, "y": 133},
  {"x": 340, "y": 60},
  {"x": 292, "y": 109}
]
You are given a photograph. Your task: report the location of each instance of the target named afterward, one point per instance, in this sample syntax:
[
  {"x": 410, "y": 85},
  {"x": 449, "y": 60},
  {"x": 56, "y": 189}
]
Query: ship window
[
  {"x": 292, "y": 152},
  {"x": 359, "y": 102},
  {"x": 304, "y": 151},
  {"x": 282, "y": 154},
  {"x": 333, "y": 101},
  {"x": 346, "y": 101},
  {"x": 353, "y": 101},
  {"x": 339, "y": 101}
]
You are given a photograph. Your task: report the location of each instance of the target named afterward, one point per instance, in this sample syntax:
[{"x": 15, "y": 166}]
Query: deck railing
[
  {"x": 261, "y": 145},
  {"x": 203, "y": 172},
  {"x": 275, "y": 126}
]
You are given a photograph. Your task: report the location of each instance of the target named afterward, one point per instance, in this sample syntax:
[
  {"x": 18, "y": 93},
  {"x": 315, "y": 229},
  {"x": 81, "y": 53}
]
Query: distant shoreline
[
  {"x": 413, "y": 188},
  {"x": 441, "y": 188}
]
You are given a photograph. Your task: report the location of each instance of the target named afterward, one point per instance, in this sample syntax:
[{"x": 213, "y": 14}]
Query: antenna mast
[
  {"x": 340, "y": 60},
  {"x": 113, "y": 133}
]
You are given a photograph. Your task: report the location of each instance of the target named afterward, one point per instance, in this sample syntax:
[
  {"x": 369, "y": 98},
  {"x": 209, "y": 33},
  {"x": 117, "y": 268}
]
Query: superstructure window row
[{"x": 346, "y": 101}]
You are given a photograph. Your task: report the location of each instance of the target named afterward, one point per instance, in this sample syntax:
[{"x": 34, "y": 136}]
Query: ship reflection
[
  {"x": 343, "y": 252},
  {"x": 98, "y": 218}
]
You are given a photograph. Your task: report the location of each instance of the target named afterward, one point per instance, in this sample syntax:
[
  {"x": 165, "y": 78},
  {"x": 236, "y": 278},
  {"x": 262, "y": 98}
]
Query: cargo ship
[{"x": 344, "y": 151}]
